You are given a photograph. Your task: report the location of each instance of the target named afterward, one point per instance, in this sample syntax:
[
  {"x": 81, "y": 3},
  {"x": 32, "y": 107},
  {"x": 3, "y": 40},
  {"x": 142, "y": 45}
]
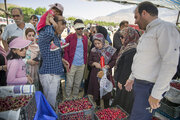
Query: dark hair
[
  {"x": 78, "y": 21},
  {"x": 148, "y": 7},
  {"x": 11, "y": 55},
  {"x": 123, "y": 23},
  {"x": 29, "y": 30},
  {"x": 34, "y": 17},
  {"x": 20, "y": 10},
  {"x": 1, "y": 30},
  {"x": 11, "y": 39},
  {"x": 59, "y": 11},
  {"x": 102, "y": 30}
]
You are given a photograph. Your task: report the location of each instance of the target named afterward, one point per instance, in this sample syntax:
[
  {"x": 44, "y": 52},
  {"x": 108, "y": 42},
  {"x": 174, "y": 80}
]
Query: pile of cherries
[
  {"x": 155, "y": 118},
  {"x": 11, "y": 103},
  {"x": 75, "y": 106},
  {"x": 175, "y": 85},
  {"x": 111, "y": 114}
]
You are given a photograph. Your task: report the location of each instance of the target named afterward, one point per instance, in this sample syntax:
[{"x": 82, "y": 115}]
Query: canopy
[{"x": 171, "y": 4}]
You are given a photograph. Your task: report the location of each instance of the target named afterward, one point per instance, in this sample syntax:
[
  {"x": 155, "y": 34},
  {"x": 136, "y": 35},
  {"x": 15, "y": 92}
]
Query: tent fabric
[
  {"x": 172, "y": 4},
  {"x": 44, "y": 110}
]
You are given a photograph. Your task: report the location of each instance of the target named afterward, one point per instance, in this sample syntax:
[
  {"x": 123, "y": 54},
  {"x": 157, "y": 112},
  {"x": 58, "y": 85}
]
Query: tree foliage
[
  {"x": 40, "y": 11},
  {"x": 28, "y": 12}
]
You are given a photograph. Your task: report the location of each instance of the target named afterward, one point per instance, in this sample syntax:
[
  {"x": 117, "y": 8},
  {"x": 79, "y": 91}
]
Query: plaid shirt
[{"x": 52, "y": 60}]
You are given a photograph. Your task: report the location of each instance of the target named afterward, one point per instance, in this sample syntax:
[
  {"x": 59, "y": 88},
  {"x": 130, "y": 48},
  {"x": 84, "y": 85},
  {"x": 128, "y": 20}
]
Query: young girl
[
  {"x": 16, "y": 69},
  {"x": 109, "y": 54},
  {"x": 56, "y": 9},
  {"x": 32, "y": 61}
]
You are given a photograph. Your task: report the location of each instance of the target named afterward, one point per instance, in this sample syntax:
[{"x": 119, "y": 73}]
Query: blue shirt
[
  {"x": 52, "y": 60},
  {"x": 79, "y": 53},
  {"x": 108, "y": 38}
]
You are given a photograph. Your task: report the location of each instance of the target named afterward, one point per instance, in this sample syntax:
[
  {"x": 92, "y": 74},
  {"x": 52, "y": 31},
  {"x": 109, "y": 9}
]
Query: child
[
  {"x": 32, "y": 61},
  {"x": 56, "y": 9},
  {"x": 16, "y": 68},
  {"x": 109, "y": 54}
]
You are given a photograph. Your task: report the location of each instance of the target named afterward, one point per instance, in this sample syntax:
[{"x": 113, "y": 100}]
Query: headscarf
[
  {"x": 33, "y": 47},
  {"x": 107, "y": 51},
  {"x": 131, "y": 38}
]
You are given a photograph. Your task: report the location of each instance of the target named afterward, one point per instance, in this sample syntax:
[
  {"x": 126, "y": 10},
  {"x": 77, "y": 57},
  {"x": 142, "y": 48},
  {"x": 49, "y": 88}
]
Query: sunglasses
[
  {"x": 79, "y": 28},
  {"x": 63, "y": 21},
  {"x": 22, "y": 49},
  {"x": 15, "y": 16}
]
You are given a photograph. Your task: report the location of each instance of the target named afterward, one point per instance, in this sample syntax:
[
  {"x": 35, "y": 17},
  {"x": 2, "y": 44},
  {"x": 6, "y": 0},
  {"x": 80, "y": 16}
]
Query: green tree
[
  {"x": 40, "y": 11},
  {"x": 71, "y": 18},
  {"x": 27, "y": 13}
]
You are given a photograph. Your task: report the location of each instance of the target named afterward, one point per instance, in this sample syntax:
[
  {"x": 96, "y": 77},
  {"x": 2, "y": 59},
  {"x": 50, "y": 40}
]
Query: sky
[{"x": 77, "y": 8}]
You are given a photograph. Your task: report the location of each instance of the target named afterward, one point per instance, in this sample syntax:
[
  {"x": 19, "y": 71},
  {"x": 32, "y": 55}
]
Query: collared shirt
[
  {"x": 14, "y": 30},
  {"x": 157, "y": 56},
  {"x": 79, "y": 56},
  {"x": 52, "y": 60}
]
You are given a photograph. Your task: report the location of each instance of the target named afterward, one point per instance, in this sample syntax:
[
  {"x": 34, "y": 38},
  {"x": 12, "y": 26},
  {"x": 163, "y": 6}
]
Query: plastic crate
[
  {"x": 171, "y": 109},
  {"x": 28, "y": 112},
  {"x": 166, "y": 116},
  {"x": 87, "y": 114},
  {"x": 126, "y": 118}
]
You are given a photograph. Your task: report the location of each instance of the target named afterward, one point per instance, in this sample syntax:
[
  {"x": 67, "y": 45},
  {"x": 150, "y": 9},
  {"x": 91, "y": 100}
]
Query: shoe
[
  {"x": 63, "y": 45},
  {"x": 53, "y": 47}
]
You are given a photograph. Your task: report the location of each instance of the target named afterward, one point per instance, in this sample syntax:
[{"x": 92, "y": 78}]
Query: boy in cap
[{"x": 56, "y": 9}]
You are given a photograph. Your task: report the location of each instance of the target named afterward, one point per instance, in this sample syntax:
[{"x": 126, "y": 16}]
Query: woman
[
  {"x": 109, "y": 54},
  {"x": 3, "y": 66},
  {"x": 32, "y": 61},
  {"x": 123, "y": 68},
  {"x": 16, "y": 68}
]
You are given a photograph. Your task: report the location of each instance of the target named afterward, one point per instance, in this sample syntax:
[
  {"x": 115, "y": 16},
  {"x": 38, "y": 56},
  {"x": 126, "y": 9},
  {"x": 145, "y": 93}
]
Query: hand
[
  {"x": 119, "y": 85},
  {"x": 154, "y": 103},
  {"x": 30, "y": 80},
  {"x": 32, "y": 62},
  {"x": 66, "y": 64},
  {"x": 97, "y": 65},
  {"x": 129, "y": 85},
  {"x": 100, "y": 74}
]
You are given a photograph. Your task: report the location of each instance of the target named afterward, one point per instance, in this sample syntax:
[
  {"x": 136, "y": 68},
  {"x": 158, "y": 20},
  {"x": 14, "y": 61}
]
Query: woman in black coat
[{"x": 124, "y": 98}]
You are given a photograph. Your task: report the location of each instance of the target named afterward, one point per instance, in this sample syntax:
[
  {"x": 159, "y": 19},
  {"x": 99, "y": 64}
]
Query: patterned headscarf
[
  {"x": 131, "y": 39},
  {"x": 107, "y": 51},
  {"x": 130, "y": 35}
]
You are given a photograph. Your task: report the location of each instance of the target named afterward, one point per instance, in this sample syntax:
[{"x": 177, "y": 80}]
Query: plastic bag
[{"x": 106, "y": 86}]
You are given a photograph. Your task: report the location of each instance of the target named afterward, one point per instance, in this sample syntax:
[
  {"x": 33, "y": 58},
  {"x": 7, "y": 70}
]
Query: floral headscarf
[
  {"x": 107, "y": 51},
  {"x": 131, "y": 38}
]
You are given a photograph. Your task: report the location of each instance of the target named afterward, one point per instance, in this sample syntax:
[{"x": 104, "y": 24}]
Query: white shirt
[
  {"x": 14, "y": 30},
  {"x": 157, "y": 56}
]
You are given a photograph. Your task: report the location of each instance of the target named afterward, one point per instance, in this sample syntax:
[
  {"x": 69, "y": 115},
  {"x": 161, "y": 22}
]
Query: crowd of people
[{"x": 34, "y": 53}]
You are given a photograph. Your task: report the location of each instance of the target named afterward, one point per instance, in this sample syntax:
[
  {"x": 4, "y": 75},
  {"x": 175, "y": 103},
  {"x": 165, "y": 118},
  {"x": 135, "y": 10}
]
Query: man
[
  {"x": 76, "y": 55},
  {"x": 52, "y": 65},
  {"x": 116, "y": 38},
  {"x": 155, "y": 62},
  {"x": 34, "y": 20},
  {"x": 17, "y": 28}
]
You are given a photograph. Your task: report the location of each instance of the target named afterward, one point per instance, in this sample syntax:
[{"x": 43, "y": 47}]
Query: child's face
[
  {"x": 30, "y": 36},
  {"x": 56, "y": 11},
  {"x": 21, "y": 52},
  {"x": 98, "y": 44}
]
